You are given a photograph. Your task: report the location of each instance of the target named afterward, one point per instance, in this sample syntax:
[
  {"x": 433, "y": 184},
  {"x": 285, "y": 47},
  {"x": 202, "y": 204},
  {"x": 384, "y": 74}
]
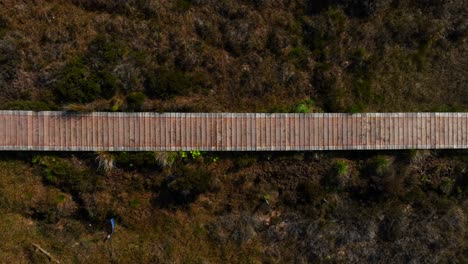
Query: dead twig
[{"x": 45, "y": 253}]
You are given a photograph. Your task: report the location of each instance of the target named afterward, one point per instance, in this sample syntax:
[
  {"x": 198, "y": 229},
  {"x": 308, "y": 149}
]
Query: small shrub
[
  {"x": 67, "y": 176},
  {"x": 26, "y": 105},
  {"x": 77, "y": 83},
  {"x": 105, "y": 50},
  {"x": 184, "y": 187},
  {"x": 3, "y": 26},
  {"x": 135, "y": 101},
  {"x": 245, "y": 161},
  {"x": 127, "y": 7},
  {"x": 299, "y": 56},
  {"x": 309, "y": 192},
  {"x": 362, "y": 90},
  {"x": 165, "y": 84},
  {"x": 446, "y": 185},
  {"x": 9, "y": 58},
  {"x": 136, "y": 160},
  {"x": 393, "y": 225},
  {"x": 183, "y": 5}
]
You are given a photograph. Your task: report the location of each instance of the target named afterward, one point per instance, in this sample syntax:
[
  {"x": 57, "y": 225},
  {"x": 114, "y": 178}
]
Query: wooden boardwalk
[{"x": 61, "y": 131}]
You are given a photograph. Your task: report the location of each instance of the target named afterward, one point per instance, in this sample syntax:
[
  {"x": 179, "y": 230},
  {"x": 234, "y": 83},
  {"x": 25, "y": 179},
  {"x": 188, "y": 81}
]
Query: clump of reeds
[
  {"x": 106, "y": 161},
  {"x": 78, "y": 108},
  {"x": 165, "y": 158}
]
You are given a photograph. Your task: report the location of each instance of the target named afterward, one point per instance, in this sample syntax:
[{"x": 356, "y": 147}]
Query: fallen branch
[{"x": 45, "y": 253}]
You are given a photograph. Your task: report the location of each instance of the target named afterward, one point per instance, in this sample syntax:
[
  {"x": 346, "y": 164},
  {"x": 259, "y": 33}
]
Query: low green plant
[
  {"x": 214, "y": 159},
  {"x": 135, "y": 203},
  {"x": 65, "y": 175},
  {"x": 196, "y": 154},
  {"x": 341, "y": 167},
  {"x": 165, "y": 83},
  {"x": 338, "y": 177},
  {"x": 185, "y": 186},
  {"x": 305, "y": 106},
  {"x": 245, "y": 161},
  {"x": 136, "y": 160},
  {"x": 192, "y": 154},
  {"x": 381, "y": 165},
  {"x": 183, "y": 5}
]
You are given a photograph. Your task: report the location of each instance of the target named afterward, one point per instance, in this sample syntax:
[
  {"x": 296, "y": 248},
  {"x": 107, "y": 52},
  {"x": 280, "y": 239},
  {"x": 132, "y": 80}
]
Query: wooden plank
[
  {"x": 224, "y": 131},
  {"x": 177, "y": 131},
  {"x": 24, "y": 130},
  {"x": 46, "y": 124},
  {"x": 199, "y": 131},
  {"x": 3, "y": 127},
  {"x": 8, "y": 130},
  {"x": 237, "y": 130},
  {"x": 267, "y": 131},
  {"x": 258, "y": 132},
  {"x": 371, "y": 131},
  {"x": 426, "y": 132},
  {"x": 450, "y": 130},
  {"x": 206, "y": 127},
  {"x": 19, "y": 136},
  {"x": 54, "y": 131},
  {"x": 432, "y": 124},
  {"x": 173, "y": 132},
  {"x": 464, "y": 130},
  {"x": 408, "y": 133},
  {"x": 458, "y": 131},
  {"x": 323, "y": 131},
  {"x": 338, "y": 131},
  {"x": 73, "y": 132},
  {"x": 19, "y": 127},
  {"x": 14, "y": 129},
  {"x": 280, "y": 131},
  {"x": 349, "y": 127},
  {"x": 444, "y": 130},
  {"x": 315, "y": 131},
  {"x": 387, "y": 131},
  {"x": 229, "y": 129},
  {"x": 118, "y": 134},
  {"x": 396, "y": 130},
  {"x": 213, "y": 132},
  {"x": 196, "y": 133},
  {"x": 218, "y": 132},
  {"x": 160, "y": 132}
]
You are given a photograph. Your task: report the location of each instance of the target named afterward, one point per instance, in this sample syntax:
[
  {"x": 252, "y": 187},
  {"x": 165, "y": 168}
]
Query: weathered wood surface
[{"x": 61, "y": 131}]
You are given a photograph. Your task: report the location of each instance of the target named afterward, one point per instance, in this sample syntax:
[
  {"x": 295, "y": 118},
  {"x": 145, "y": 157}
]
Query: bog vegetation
[{"x": 238, "y": 56}]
